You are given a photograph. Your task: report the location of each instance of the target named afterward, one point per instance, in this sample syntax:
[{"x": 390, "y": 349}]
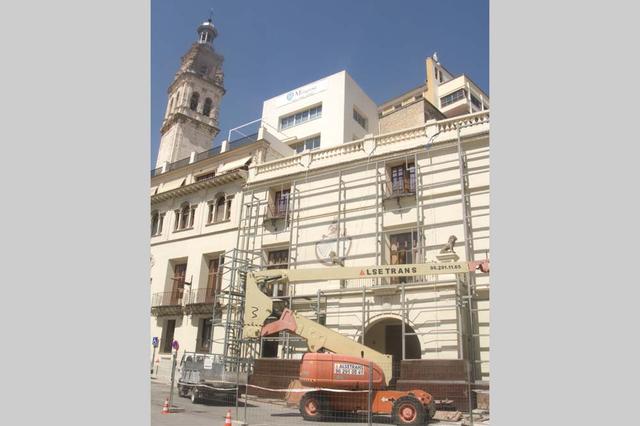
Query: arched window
[
  {"x": 194, "y": 101},
  {"x": 206, "y": 109},
  {"x": 220, "y": 209},
  {"x": 227, "y": 214},
  {"x": 184, "y": 216},
  {"x": 155, "y": 219},
  {"x": 171, "y": 105}
]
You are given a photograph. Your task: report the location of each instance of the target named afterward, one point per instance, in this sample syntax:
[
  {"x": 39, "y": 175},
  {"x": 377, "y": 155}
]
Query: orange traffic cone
[
  {"x": 227, "y": 420},
  {"x": 165, "y": 407}
]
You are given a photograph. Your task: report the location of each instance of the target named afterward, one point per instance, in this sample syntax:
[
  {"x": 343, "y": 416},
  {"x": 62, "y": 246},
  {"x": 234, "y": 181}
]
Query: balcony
[
  {"x": 400, "y": 189},
  {"x": 166, "y": 303},
  {"x": 200, "y": 301},
  {"x": 461, "y": 96},
  {"x": 276, "y": 213}
]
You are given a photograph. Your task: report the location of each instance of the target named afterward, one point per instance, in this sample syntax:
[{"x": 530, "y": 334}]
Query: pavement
[{"x": 259, "y": 412}]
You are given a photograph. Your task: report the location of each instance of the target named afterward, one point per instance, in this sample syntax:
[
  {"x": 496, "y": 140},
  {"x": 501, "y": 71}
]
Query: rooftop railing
[
  {"x": 217, "y": 150},
  {"x": 156, "y": 172},
  {"x": 208, "y": 154}
]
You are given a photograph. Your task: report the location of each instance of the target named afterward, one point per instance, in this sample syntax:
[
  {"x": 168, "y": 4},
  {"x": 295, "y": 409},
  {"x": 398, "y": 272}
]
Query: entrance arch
[{"x": 385, "y": 335}]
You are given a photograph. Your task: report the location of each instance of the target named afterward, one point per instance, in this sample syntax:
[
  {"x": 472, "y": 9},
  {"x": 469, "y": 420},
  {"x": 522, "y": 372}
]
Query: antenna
[{"x": 210, "y": 14}]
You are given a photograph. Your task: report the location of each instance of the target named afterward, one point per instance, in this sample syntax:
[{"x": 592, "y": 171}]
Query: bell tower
[{"x": 191, "y": 119}]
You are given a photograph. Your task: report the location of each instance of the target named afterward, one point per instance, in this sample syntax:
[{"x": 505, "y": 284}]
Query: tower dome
[{"x": 207, "y": 32}]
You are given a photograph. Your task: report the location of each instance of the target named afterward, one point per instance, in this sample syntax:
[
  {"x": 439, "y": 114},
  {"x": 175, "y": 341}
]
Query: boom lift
[{"x": 350, "y": 365}]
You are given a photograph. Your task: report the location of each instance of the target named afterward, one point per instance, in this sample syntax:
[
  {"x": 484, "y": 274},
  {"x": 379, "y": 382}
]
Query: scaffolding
[{"x": 467, "y": 299}]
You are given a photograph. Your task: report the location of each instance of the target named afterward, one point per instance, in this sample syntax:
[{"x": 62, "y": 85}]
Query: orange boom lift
[{"x": 343, "y": 364}]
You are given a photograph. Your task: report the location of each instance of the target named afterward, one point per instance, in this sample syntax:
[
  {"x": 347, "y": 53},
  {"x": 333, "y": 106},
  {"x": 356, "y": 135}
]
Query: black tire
[
  {"x": 312, "y": 406},
  {"x": 195, "y": 397},
  {"x": 183, "y": 391},
  {"x": 431, "y": 410},
  {"x": 408, "y": 411}
]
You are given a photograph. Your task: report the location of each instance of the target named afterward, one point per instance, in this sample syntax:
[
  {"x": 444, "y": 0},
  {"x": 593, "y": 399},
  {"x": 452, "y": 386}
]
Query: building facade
[{"x": 331, "y": 179}]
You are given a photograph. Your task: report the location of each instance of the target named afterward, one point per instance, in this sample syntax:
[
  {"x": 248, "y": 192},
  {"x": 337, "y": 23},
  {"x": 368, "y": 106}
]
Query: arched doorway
[{"x": 385, "y": 335}]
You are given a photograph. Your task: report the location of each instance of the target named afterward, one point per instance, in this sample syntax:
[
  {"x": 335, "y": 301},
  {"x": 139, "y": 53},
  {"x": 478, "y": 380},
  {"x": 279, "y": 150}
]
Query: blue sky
[{"x": 273, "y": 46}]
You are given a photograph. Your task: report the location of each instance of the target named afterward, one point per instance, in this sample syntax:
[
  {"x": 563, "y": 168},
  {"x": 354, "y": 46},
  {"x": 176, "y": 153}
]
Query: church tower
[{"x": 191, "y": 120}]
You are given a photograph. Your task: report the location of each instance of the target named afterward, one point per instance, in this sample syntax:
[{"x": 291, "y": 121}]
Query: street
[{"x": 259, "y": 413}]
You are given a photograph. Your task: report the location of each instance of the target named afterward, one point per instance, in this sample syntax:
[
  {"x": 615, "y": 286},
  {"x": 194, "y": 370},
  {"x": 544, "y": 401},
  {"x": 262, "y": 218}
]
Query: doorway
[{"x": 385, "y": 336}]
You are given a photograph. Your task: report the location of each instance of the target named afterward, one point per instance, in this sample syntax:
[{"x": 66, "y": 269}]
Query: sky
[{"x": 271, "y": 47}]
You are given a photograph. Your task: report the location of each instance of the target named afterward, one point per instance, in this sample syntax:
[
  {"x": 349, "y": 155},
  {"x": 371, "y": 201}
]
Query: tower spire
[{"x": 207, "y": 31}]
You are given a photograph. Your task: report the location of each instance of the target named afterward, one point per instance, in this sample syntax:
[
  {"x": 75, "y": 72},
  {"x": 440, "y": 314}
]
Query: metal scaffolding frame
[{"x": 253, "y": 222}]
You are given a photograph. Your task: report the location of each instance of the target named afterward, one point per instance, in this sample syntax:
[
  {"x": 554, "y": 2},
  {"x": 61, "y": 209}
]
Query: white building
[
  {"x": 321, "y": 114},
  {"x": 329, "y": 171}
]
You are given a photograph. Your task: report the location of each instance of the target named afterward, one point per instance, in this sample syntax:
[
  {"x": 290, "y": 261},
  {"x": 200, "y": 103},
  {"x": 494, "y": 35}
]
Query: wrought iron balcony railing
[
  {"x": 400, "y": 188},
  {"x": 276, "y": 211},
  {"x": 167, "y": 298},
  {"x": 202, "y": 296}
]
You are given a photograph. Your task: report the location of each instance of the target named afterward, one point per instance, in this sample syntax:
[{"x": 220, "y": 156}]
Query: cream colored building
[{"x": 331, "y": 179}]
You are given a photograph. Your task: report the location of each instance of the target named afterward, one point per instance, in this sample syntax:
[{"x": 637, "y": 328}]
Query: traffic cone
[
  {"x": 227, "y": 420},
  {"x": 165, "y": 407}
]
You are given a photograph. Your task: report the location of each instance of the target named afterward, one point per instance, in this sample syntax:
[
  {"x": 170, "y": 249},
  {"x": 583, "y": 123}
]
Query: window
[
  {"x": 453, "y": 97},
  {"x": 307, "y": 145},
  {"x": 219, "y": 216},
  {"x": 301, "y": 117},
  {"x": 277, "y": 259},
  {"x": 185, "y": 216},
  {"x": 211, "y": 212},
  {"x": 362, "y": 121},
  {"x": 157, "y": 220},
  {"x": 192, "y": 216},
  {"x": 193, "y": 104},
  {"x": 403, "y": 250},
  {"x": 475, "y": 101},
  {"x": 403, "y": 179},
  {"x": 227, "y": 212},
  {"x": 204, "y": 336},
  {"x": 179, "y": 273},
  {"x": 206, "y": 176},
  {"x": 214, "y": 281},
  {"x": 206, "y": 109},
  {"x": 167, "y": 335},
  {"x": 282, "y": 201}
]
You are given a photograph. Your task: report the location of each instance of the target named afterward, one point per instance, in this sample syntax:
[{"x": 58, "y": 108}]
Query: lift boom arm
[{"x": 258, "y": 306}]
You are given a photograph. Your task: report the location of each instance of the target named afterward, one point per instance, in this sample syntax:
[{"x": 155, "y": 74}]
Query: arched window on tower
[
  {"x": 206, "y": 109},
  {"x": 194, "y": 101}
]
